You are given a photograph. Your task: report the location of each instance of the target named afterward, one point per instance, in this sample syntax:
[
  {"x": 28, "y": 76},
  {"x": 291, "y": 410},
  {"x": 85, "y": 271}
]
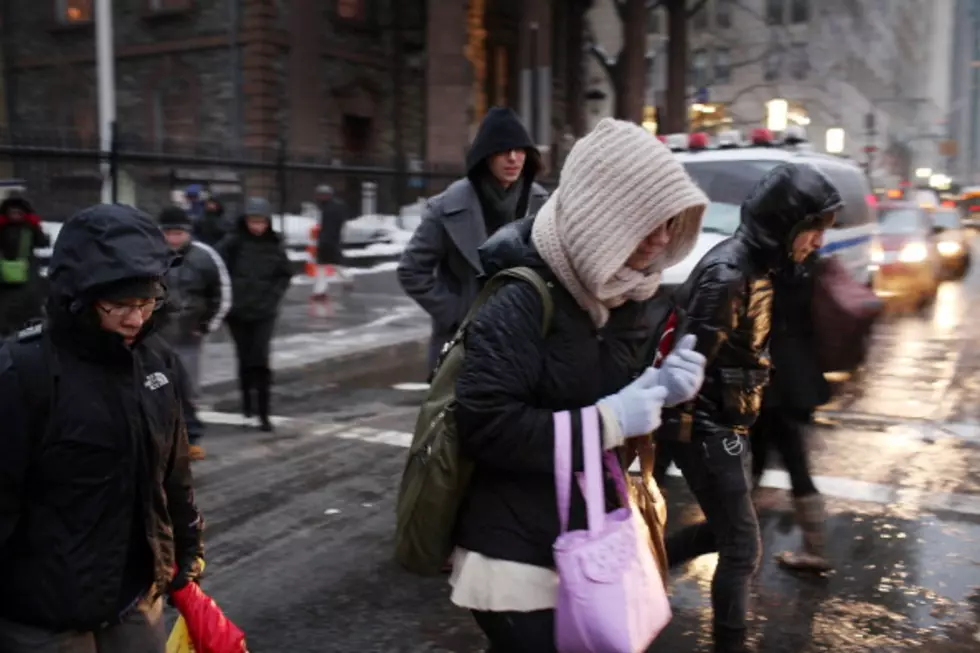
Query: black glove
[{"x": 188, "y": 571}]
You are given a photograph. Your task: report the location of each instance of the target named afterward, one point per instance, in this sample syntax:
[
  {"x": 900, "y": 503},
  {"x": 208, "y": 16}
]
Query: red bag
[
  {"x": 210, "y": 630},
  {"x": 666, "y": 339},
  {"x": 844, "y": 312}
]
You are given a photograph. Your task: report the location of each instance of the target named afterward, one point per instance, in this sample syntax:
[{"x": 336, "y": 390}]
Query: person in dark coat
[
  {"x": 211, "y": 227},
  {"x": 260, "y": 273},
  {"x": 198, "y": 299},
  {"x": 21, "y": 287},
  {"x": 96, "y": 496},
  {"x": 600, "y": 244},
  {"x": 440, "y": 265},
  {"x": 329, "y": 246},
  {"x": 798, "y": 387},
  {"x": 727, "y": 302}
]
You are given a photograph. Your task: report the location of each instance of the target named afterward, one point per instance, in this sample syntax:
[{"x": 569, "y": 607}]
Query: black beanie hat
[{"x": 174, "y": 217}]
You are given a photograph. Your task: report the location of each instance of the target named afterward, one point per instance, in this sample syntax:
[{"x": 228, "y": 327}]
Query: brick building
[{"x": 382, "y": 83}]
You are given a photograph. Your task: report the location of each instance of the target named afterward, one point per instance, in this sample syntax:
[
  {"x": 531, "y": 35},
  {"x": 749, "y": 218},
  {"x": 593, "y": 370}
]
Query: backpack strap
[{"x": 525, "y": 274}]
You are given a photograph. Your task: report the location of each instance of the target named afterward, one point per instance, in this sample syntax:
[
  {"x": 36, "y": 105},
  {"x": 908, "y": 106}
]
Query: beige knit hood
[{"x": 618, "y": 184}]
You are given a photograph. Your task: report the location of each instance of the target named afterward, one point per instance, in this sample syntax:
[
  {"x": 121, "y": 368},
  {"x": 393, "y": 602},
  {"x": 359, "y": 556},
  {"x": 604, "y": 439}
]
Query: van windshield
[
  {"x": 721, "y": 218},
  {"x": 728, "y": 182}
]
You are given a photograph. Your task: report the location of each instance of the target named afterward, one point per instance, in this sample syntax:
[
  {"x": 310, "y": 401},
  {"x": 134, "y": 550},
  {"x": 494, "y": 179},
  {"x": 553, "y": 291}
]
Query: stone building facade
[
  {"x": 393, "y": 84},
  {"x": 229, "y": 78}
]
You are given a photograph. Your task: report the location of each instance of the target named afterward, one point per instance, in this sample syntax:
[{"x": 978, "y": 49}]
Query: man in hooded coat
[{"x": 440, "y": 268}]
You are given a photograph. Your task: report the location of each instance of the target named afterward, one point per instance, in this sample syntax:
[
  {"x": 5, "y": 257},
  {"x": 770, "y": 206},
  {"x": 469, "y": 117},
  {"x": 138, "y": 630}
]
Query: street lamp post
[{"x": 106, "y": 75}]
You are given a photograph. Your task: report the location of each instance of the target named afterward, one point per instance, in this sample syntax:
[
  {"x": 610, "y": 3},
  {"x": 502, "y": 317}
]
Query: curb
[{"x": 336, "y": 369}]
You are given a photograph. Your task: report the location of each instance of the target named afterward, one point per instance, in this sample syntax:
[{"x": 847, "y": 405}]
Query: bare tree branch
[{"x": 698, "y": 6}]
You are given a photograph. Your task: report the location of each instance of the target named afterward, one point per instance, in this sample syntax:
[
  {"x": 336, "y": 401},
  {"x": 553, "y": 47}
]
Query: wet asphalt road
[{"x": 299, "y": 522}]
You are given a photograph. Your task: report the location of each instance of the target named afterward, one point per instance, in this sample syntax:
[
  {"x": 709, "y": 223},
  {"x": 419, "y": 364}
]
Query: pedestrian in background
[
  {"x": 97, "y": 513},
  {"x": 624, "y": 211},
  {"x": 329, "y": 247},
  {"x": 198, "y": 299},
  {"x": 260, "y": 273},
  {"x": 440, "y": 267},
  {"x": 798, "y": 387},
  {"x": 21, "y": 287},
  {"x": 728, "y": 305},
  {"x": 211, "y": 228}
]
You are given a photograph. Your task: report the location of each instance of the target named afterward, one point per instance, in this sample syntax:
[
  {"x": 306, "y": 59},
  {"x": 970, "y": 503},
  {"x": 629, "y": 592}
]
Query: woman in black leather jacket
[{"x": 728, "y": 306}]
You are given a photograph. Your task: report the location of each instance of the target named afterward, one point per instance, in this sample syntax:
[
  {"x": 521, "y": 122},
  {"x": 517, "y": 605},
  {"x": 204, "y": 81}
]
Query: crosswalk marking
[{"x": 830, "y": 486}]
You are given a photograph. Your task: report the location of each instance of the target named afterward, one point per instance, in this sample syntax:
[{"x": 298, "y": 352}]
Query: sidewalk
[{"x": 365, "y": 332}]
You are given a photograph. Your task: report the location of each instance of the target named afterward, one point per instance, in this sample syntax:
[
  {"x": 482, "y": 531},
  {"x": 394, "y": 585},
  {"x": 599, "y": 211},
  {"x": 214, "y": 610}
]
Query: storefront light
[
  {"x": 777, "y": 111},
  {"x": 835, "y": 140}
]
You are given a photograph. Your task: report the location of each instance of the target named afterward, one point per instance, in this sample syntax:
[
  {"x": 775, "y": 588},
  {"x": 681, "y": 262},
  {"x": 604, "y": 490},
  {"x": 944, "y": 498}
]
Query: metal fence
[{"x": 62, "y": 173}]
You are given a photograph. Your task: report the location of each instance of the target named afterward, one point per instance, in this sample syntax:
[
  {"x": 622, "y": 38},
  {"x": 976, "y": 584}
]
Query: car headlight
[
  {"x": 913, "y": 253},
  {"x": 877, "y": 254},
  {"x": 949, "y": 247}
]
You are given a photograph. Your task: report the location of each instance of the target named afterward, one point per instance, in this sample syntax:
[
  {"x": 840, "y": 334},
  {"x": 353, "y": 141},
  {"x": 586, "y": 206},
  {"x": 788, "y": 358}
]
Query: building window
[
  {"x": 723, "y": 66},
  {"x": 699, "y": 68},
  {"x": 800, "y": 11},
  {"x": 75, "y": 11},
  {"x": 723, "y": 13},
  {"x": 775, "y": 10},
  {"x": 351, "y": 9},
  {"x": 773, "y": 63},
  {"x": 799, "y": 61}
]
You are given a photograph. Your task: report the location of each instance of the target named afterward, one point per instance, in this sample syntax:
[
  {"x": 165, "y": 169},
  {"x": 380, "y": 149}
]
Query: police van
[{"x": 727, "y": 169}]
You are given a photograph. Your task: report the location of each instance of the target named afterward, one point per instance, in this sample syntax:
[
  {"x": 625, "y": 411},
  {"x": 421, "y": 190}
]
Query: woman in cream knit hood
[{"x": 624, "y": 210}]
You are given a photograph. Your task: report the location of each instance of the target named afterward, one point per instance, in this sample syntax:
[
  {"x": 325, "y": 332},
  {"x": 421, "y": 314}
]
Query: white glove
[
  {"x": 637, "y": 406},
  {"x": 682, "y": 372}
]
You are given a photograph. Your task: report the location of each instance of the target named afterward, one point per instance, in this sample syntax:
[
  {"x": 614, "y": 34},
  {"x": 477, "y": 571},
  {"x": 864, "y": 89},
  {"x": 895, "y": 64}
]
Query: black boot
[
  {"x": 246, "y": 384},
  {"x": 263, "y": 389}
]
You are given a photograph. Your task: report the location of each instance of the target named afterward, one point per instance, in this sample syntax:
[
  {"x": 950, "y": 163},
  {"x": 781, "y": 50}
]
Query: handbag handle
[{"x": 590, "y": 482}]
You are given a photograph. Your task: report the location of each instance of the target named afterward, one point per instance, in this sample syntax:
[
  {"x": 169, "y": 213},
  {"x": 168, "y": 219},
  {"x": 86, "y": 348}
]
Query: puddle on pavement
[{"x": 898, "y": 579}]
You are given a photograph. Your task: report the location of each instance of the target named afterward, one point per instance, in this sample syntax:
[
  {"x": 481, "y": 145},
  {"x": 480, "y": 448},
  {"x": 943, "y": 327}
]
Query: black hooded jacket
[
  {"x": 260, "y": 272},
  {"x": 727, "y": 300},
  {"x": 96, "y": 499},
  {"x": 440, "y": 265}
]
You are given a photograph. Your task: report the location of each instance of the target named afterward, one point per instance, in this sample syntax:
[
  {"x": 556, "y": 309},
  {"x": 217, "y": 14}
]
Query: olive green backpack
[{"x": 436, "y": 473}]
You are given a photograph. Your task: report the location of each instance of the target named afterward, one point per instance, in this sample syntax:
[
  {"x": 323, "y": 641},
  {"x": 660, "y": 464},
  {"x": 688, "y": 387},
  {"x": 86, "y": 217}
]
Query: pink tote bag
[{"x": 611, "y": 598}]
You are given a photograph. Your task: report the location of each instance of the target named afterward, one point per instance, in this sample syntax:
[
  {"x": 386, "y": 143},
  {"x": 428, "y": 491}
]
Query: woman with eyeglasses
[{"x": 260, "y": 274}]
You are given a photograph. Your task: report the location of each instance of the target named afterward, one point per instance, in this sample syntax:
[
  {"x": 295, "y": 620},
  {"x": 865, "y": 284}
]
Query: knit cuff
[{"x": 612, "y": 434}]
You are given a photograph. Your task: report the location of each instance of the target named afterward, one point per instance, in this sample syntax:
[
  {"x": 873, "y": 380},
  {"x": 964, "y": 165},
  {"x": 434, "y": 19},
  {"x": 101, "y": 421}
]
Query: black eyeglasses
[{"x": 117, "y": 310}]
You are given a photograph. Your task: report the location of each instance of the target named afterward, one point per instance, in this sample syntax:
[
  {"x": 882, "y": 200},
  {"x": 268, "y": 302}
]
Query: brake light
[
  {"x": 872, "y": 201},
  {"x": 698, "y": 141},
  {"x": 975, "y": 208},
  {"x": 761, "y": 136}
]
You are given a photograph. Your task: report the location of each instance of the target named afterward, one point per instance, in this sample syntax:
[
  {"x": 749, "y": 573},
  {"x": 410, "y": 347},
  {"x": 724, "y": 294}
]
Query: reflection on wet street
[{"x": 300, "y": 522}]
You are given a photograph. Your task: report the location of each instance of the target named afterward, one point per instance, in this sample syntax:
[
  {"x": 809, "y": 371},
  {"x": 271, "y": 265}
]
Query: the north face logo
[{"x": 156, "y": 381}]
